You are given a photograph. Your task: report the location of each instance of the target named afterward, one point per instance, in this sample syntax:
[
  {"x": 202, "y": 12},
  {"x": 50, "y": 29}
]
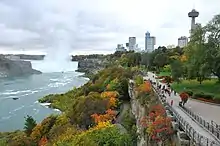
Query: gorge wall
[
  {"x": 140, "y": 110},
  {"x": 91, "y": 66},
  {"x": 10, "y": 68}
]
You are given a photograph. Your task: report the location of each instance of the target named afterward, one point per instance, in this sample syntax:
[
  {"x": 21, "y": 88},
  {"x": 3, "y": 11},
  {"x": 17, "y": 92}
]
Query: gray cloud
[{"x": 96, "y": 25}]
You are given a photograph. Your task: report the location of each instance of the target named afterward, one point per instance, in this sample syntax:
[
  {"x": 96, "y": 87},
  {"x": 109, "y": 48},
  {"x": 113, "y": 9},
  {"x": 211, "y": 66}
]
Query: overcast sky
[{"x": 96, "y": 25}]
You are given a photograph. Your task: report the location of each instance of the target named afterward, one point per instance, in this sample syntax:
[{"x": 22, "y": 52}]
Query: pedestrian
[{"x": 171, "y": 102}]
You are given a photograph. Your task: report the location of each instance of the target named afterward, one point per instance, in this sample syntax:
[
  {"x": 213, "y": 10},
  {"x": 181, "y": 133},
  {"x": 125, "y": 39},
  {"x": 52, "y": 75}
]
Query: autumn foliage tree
[
  {"x": 43, "y": 141},
  {"x": 108, "y": 116},
  {"x": 112, "y": 98},
  {"x": 145, "y": 87},
  {"x": 158, "y": 126}
]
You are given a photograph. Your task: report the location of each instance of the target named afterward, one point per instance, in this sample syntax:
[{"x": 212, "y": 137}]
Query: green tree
[
  {"x": 161, "y": 59},
  {"x": 30, "y": 123},
  {"x": 213, "y": 45},
  {"x": 196, "y": 52},
  {"x": 176, "y": 70}
]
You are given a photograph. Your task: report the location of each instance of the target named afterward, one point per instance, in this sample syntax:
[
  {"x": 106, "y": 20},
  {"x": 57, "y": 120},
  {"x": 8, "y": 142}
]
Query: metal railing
[
  {"x": 212, "y": 127},
  {"x": 189, "y": 130}
]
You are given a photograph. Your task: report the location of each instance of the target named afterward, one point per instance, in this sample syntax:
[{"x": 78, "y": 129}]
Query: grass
[
  {"x": 207, "y": 87},
  {"x": 164, "y": 74}
]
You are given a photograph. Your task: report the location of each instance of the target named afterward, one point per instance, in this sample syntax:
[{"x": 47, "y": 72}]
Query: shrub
[
  {"x": 83, "y": 107},
  {"x": 189, "y": 92},
  {"x": 43, "y": 128},
  {"x": 139, "y": 80},
  {"x": 184, "y": 97},
  {"x": 217, "y": 100},
  {"x": 202, "y": 95}
]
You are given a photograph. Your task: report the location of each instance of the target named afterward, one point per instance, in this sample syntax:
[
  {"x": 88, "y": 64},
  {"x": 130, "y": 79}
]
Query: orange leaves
[
  {"x": 43, "y": 141},
  {"x": 112, "y": 103},
  {"x": 109, "y": 116},
  {"x": 108, "y": 94},
  {"x": 112, "y": 96},
  {"x": 145, "y": 87},
  {"x": 157, "y": 125}
]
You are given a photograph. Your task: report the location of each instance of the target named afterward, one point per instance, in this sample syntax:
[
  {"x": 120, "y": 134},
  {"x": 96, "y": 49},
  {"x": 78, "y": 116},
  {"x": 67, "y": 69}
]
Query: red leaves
[
  {"x": 184, "y": 96},
  {"x": 158, "y": 126}
]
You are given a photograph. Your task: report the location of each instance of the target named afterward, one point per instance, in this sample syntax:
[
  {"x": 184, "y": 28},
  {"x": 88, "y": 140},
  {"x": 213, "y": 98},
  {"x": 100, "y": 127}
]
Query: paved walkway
[
  {"x": 206, "y": 111},
  {"x": 176, "y": 100}
]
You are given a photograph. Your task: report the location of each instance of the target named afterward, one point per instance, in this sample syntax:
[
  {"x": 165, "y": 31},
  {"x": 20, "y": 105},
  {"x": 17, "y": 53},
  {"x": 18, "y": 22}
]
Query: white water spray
[{"x": 58, "y": 58}]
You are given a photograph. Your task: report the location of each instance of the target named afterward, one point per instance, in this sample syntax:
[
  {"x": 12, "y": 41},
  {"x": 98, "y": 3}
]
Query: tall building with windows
[
  {"x": 182, "y": 41},
  {"x": 132, "y": 43},
  {"x": 150, "y": 41}
]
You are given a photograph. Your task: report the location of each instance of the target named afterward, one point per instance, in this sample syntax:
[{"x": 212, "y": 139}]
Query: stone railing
[
  {"x": 212, "y": 127},
  {"x": 190, "y": 131}
]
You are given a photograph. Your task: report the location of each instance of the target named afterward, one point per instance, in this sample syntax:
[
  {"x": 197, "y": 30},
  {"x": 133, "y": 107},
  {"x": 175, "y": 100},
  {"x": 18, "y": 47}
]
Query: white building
[
  {"x": 120, "y": 48},
  {"x": 182, "y": 41},
  {"x": 132, "y": 43},
  {"x": 150, "y": 41}
]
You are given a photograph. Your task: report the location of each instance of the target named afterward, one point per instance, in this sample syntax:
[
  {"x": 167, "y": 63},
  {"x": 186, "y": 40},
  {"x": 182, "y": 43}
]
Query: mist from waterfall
[{"x": 58, "y": 58}]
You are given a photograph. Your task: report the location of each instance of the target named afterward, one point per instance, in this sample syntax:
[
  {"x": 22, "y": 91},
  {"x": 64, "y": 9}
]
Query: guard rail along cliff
[
  {"x": 212, "y": 127},
  {"x": 186, "y": 134},
  {"x": 195, "y": 137}
]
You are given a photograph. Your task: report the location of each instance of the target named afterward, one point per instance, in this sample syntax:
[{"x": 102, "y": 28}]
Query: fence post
[
  {"x": 200, "y": 139},
  {"x": 208, "y": 126}
]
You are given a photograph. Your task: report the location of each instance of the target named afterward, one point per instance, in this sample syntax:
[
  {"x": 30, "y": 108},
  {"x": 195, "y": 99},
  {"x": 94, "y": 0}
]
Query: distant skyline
[{"x": 96, "y": 26}]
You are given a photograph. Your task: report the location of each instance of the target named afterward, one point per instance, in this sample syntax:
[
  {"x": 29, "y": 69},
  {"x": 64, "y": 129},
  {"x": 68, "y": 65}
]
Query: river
[{"x": 29, "y": 89}]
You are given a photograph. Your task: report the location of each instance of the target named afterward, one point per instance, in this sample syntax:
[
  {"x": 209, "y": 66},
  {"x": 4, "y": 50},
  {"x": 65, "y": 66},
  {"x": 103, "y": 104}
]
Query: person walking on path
[{"x": 171, "y": 103}]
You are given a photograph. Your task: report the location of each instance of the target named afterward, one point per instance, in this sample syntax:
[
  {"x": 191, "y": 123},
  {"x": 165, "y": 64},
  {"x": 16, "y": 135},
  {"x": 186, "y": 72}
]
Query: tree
[
  {"x": 196, "y": 54},
  {"x": 176, "y": 70},
  {"x": 158, "y": 126},
  {"x": 30, "y": 123},
  {"x": 213, "y": 45},
  {"x": 161, "y": 59}
]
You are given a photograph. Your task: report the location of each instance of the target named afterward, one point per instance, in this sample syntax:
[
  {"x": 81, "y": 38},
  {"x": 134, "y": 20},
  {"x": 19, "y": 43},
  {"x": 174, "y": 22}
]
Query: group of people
[{"x": 164, "y": 90}]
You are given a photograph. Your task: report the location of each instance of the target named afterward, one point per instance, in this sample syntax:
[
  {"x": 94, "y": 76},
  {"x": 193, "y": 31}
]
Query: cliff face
[
  {"x": 15, "y": 67},
  {"x": 90, "y": 65},
  {"x": 139, "y": 111}
]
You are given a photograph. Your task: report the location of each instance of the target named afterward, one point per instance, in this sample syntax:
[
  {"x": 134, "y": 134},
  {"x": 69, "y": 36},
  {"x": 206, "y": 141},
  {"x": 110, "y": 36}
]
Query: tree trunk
[{"x": 200, "y": 81}]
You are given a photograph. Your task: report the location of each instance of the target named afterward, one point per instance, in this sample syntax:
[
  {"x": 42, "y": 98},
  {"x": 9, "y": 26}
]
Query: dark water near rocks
[{"x": 29, "y": 90}]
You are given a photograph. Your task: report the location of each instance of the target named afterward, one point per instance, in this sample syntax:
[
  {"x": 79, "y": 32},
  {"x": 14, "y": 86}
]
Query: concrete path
[
  {"x": 207, "y": 111},
  {"x": 176, "y": 100}
]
